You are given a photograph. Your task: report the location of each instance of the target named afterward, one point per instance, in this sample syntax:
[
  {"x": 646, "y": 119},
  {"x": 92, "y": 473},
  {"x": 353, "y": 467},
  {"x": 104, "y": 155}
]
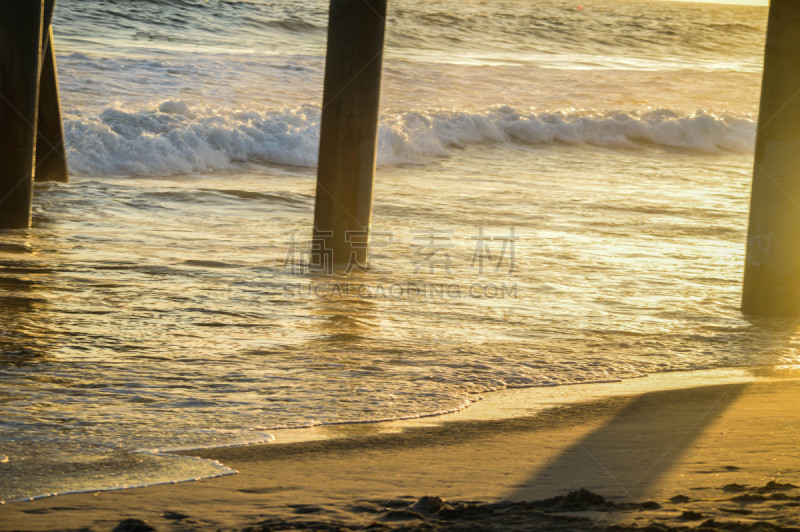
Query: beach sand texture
[{"x": 676, "y": 457}]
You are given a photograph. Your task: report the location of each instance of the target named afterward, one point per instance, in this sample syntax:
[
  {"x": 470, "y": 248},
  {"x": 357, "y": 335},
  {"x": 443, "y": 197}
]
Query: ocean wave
[
  {"x": 658, "y": 32},
  {"x": 295, "y": 24},
  {"x": 177, "y": 139}
]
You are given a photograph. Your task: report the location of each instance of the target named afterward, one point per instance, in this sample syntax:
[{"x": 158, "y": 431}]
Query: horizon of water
[{"x": 587, "y": 171}]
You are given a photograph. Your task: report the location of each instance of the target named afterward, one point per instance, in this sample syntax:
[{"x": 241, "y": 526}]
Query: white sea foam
[{"x": 176, "y": 139}]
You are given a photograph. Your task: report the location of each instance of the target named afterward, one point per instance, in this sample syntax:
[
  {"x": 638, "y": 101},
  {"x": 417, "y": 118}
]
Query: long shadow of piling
[
  {"x": 631, "y": 452},
  {"x": 634, "y": 449}
]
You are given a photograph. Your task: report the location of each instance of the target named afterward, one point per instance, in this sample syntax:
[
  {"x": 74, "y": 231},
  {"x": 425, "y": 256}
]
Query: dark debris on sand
[
  {"x": 133, "y": 525},
  {"x": 579, "y": 510}
]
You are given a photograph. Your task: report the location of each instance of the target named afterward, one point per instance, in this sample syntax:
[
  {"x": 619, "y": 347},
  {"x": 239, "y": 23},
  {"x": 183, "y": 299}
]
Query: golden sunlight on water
[{"x": 580, "y": 178}]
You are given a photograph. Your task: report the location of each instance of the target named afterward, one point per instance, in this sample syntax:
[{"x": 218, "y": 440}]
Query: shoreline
[
  {"x": 519, "y": 402},
  {"x": 630, "y": 447},
  {"x": 498, "y": 405}
]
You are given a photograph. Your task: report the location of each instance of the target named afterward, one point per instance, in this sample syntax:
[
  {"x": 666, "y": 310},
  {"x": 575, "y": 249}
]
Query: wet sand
[{"x": 724, "y": 456}]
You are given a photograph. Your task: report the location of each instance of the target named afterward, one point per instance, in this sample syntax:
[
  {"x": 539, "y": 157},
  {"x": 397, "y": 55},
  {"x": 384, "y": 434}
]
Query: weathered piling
[
  {"x": 51, "y": 155},
  {"x": 772, "y": 263},
  {"x": 348, "y": 135},
  {"x": 20, "y": 59}
]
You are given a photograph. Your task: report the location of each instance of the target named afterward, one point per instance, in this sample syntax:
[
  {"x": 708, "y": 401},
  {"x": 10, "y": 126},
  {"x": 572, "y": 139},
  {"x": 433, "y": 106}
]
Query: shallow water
[{"x": 160, "y": 298}]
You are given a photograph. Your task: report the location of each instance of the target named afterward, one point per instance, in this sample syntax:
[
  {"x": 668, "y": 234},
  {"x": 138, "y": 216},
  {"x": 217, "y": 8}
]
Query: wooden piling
[
  {"x": 51, "y": 154},
  {"x": 20, "y": 57},
  {"x": 348, "y": 136},
  {"x": 772, "y": 263},
  {"x": 49, "y": 9}
]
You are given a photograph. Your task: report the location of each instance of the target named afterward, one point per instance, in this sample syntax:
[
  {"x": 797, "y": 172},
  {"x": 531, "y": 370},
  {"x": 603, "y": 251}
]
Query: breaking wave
[{"x": 176, "y": 139}]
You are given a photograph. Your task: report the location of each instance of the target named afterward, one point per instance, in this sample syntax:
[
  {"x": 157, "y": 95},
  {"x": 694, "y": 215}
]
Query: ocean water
[{"x": 561, "y": 198}]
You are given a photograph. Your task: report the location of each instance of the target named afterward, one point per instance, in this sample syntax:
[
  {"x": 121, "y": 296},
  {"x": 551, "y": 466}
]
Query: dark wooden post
[
  {"x": 20, "y": 59},
  {"x": 772, "y": 264},
  {"x": 348, "y": 135},
  {"x": 51, "y": 155}
]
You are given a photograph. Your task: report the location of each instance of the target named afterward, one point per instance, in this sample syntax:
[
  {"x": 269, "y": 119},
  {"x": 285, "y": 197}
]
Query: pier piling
[
  {"x": 51, "y": 157},
  {"x": 21, "y": 23},
  {"x": 348, "y": 136},
  {"x": 772, "y": 263}
]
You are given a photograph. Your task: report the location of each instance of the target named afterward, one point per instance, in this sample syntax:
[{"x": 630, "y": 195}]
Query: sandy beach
[{"x": 722, "y": 456}]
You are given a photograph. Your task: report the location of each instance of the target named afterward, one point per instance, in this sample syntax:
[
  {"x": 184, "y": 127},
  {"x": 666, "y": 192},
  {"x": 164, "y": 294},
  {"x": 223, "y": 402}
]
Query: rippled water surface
[{"x": 561, "y": 198}]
